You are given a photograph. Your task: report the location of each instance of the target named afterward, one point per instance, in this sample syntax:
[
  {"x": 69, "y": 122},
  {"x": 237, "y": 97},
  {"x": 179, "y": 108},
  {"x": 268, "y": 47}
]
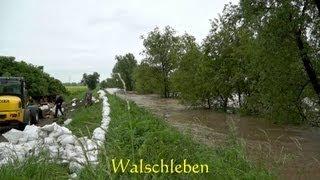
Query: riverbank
[
  {"x": 138, "y": 135},
  {"x": 293, "y": 149},
  {"x": 148, "y": 142}
]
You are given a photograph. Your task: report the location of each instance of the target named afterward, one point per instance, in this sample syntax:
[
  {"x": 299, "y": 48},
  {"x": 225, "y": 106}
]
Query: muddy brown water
[{"x": 293, "y": 150}]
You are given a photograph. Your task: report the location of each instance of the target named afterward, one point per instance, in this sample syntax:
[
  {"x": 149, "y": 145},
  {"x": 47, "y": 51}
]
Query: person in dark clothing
[
  {"x": 58, "y": 103},
  {"x": 88, "y": 98}
]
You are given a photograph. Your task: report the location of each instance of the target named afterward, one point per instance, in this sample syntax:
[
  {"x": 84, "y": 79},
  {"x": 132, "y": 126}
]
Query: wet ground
[{"x": 294, "y": 150}]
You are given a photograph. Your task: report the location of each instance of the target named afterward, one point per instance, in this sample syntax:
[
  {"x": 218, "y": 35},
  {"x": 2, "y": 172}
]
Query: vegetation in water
[{"x": 262, "y": 54}]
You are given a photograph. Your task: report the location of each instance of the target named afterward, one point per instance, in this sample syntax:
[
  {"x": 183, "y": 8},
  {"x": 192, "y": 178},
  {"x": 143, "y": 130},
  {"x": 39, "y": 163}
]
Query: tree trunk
[
  {"x": 239, "y": 99},
  {"x": 225, "y": 104},
  {"x": 165, "y": 88},
  {"x": 164, "y": 74},
  {"x": 307, "y": 63},
  {"x": 209, "y": 104},
  {"x": 318, "y": 5}
]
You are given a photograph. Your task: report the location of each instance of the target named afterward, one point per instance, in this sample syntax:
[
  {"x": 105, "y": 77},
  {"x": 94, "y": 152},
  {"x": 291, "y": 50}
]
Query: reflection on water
[{"x": 303, "y": 143}]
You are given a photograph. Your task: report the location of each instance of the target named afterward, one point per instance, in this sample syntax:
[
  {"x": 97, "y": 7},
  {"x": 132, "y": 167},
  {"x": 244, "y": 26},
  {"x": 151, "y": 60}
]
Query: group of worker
[{"x": 59, "y": 100}]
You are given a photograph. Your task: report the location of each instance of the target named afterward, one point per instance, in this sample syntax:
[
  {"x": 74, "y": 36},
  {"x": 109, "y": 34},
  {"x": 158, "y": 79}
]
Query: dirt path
[{"x": 298, "y": 148}]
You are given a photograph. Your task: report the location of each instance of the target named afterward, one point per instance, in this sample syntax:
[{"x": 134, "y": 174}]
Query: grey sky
[{"x": 70, "y": 37}]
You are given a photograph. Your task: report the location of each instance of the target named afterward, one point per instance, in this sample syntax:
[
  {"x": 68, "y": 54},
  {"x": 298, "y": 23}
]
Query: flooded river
[{"x": 295, "y": 149}]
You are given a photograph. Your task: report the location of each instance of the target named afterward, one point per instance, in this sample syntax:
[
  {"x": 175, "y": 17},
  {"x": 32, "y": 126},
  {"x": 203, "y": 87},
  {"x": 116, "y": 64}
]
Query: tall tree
[
  {"x": 222, "y": 49},
  {"x": 284, "y": 32},
  {"x": 147, "y": 79},
  {"x": 91, "y": 80},
  {"x": 190, "y": 78},
  {"x": 161, "y": 51},
  {"x": 125, "y": 65}
]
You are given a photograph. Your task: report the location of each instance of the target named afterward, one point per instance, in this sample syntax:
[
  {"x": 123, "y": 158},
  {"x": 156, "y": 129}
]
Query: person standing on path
[
  {"x": 88, "y": 98},
  {"x": 58, "y": 103}
]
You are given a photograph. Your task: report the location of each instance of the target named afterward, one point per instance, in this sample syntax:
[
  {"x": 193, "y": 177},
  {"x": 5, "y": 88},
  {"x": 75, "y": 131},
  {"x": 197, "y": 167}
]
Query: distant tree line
[
  {"x": 38, "y": 82},
  {"x": 263, "y": 54}
]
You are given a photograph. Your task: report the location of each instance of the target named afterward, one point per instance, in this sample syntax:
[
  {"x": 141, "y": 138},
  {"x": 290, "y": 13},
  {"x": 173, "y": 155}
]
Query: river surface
[{"x": 293, "y": 150}]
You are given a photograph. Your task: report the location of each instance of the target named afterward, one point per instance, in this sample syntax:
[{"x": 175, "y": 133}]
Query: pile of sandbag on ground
[
  {"x": 58, "y": 141},
  {"x": 113, "y": 90}
]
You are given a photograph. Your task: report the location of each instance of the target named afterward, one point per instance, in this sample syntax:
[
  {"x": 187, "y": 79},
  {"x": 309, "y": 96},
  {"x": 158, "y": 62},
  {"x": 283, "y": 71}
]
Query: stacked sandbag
[{"x": 58, "y": 141}]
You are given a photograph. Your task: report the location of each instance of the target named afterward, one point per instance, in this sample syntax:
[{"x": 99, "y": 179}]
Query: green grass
[
  {"x": 139, "y": 135},
  {"x": 36, "y": 168},
  {"x": 86, "y": 119},
  {"x": 75, "y": 88},
  {"x": 75, "y": 92}
]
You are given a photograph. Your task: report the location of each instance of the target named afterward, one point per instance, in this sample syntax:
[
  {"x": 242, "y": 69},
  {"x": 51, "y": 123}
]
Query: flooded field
[{"x": 294, "y": 150}]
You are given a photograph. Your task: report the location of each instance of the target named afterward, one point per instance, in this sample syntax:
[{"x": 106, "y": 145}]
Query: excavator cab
[{"x": 14, "y": 107}]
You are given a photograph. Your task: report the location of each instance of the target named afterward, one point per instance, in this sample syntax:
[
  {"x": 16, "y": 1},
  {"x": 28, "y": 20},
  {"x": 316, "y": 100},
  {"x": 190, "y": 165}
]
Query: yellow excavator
[{"x": 14, "y": 105}]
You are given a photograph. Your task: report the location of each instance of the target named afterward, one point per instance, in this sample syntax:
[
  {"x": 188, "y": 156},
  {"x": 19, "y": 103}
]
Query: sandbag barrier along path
[{"x": 58, "y": 141}]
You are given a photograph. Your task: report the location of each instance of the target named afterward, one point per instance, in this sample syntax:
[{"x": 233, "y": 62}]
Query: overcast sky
[{"x": 70, "y": 37}]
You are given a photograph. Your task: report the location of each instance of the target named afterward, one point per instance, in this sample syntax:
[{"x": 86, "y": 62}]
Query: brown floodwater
[{"x": 293, "y": 150}]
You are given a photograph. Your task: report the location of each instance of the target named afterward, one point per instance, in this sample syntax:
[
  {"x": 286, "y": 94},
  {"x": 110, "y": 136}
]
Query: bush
[{"x": 38, "y": 83}]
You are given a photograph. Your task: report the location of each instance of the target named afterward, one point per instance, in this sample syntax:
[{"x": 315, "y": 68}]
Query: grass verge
[
  {"x": 138, "y": 134},
  {"x": 85, "y": 119},
  {"x": 36, "y": 168}
]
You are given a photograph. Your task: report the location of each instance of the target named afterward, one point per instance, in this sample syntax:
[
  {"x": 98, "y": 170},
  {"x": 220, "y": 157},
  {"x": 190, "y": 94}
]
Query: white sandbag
[
  {"x": 98, "y": 134},
  {"x": 31, "y": 132},
  {"x": 66, "y": 139},
  {"x": 44, "y": 107},
  {"x": 74, "y": 167},
  {"x": 49, "y": 140},
  {"x": 112, "y": 90},
  {"x": 13, "y": 135},
  {"x": 49, "y": 127},
  {"x": 67, "y": 122},
  {"x": 58, "y": 131},
  {"x": 73, "y": 176}
]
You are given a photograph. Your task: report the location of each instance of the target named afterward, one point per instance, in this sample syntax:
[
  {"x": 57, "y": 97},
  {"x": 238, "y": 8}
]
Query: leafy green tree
[
  {"x": 114, "y": 82},
  {"x": 103, "y": 84},
  {"x": 147, "y": 79},
  {"x": 162, "y": 52},
  {"x": 91, "y": 80},
  {"x": 190, "y": 78},
  {"x": 285, "y": 58},
  {"x": 225, "y": 61},
  {"x": 38, "y": 83},
  {"x": 263, "y": 54},
  {"x": 125, "y": 66}
]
